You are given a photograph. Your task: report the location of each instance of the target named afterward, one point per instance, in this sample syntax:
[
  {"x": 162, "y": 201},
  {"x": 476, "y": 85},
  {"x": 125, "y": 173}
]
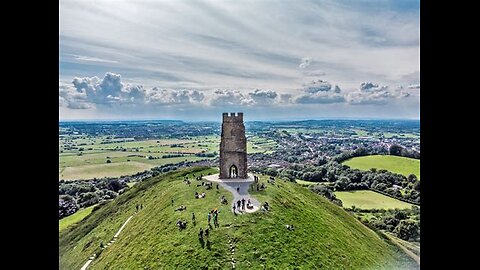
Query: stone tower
[{"x": 233, "y": 147}]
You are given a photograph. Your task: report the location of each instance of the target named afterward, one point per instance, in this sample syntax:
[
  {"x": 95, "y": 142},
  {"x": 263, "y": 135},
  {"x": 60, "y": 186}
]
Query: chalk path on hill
[
  {"x": 232, "y": 185},
  {"x": 84, "y": 267}
]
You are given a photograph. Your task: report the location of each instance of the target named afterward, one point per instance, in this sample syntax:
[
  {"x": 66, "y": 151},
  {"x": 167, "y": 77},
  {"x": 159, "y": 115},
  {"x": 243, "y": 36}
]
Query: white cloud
[
  {"x": 70, "y": 98},
  {"x": 90, "y": 92},
  {"x": 371, "y": 87},
  {"x": 306, "y": 61},
  {"x": 226, "y": 97},
  {"x": 173, "y": 97},
  {"x": 318, "y": 86},
  {"x": 370, "y": 93},
  {"x": 263, "y": 97},
  {"x": 109, "y": 90},
  {"x": 315, "y": 73},
  {"x": 319, "y": 92},
  {"x": 92, "y": 59},
  {"x": 320, "y": 98}
]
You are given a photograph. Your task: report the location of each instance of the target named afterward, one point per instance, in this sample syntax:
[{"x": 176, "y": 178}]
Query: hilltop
[{"x": 325, "y": 235}]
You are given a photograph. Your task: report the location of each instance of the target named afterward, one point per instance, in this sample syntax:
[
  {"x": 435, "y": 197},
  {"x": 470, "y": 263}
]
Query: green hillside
[
  {"x": 401, "y": 165},
  {"x": 325, "y": 235},
  {"x": 72, "y": 219}
]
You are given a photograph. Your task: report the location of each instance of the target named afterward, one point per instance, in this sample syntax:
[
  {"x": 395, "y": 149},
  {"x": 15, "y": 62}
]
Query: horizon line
[{"x": 258, "y": 120}]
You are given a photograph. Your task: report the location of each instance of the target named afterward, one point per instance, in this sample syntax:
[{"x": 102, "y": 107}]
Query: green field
[
  {"x": 401, "y": 165},
  {"x": 326, "y": 236},
  {"x": 128, "y": 156},
  {"x": 103, "y": 170},
  {"x": 367, "y": 199},
  {"x": 76, "y": 217}
]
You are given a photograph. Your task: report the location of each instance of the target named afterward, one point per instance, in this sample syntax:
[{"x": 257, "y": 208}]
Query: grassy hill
[
  {"x": 402, "y": 165},
  {"x": 325, "y": 236},
  {"x": 72, "y": 219}
]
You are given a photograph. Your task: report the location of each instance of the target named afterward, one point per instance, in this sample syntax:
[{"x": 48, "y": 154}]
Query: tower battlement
[{"x": 237, "y": 118}]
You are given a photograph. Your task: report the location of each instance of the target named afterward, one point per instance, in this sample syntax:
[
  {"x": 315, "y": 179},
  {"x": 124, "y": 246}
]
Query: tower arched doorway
[{"x": 233, "y": 172}]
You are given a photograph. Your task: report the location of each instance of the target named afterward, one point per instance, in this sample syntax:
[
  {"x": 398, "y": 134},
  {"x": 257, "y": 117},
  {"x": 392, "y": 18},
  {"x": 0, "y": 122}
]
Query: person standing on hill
[
  {"x": 209, "y": 216},
  {"x": 215, "y": 219}
]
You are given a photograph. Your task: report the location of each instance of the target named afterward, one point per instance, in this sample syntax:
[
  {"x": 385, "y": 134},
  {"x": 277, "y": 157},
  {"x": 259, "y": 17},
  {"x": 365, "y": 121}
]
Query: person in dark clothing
[
  {"x": 193, "y": 216},
  {"x": 238, "y": 203},
  {"x": 215, "y": 219},
  {"x": 207, "y": 232},
  {"x": 200, "y": 234},
  {"x": 243, "y": 203}
]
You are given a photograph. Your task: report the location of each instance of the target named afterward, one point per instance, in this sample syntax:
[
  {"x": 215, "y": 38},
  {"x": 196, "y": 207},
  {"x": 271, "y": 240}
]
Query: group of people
[
  {"x": 241, "y": 205},
  {"x": 207, "y": 185},
  {"x": 223, "y": 200},
  {"x": 213, "y": 214},
  {"x": 261, "y": 187},
  {"x": 265, "y": 207},
  {"x": 290, "y": 227},
  {"x": 198, "y": 178},
  {"x": 181, "y": 208},
  {"x": 198, "y": 196},
  {"x": 181, "y": 224},
  {"x": 202, "y": 232},
  {"x": 271, "y": 180}
]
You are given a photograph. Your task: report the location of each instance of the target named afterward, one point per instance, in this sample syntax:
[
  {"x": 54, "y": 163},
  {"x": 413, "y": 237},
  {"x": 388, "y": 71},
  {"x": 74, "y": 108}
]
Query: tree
[
  {"x": 324, "y": 191},
  {"x": 400, "y": 215},
  {"x": 416, "y": 186},
  {"x": 380, "y": 186},
  {"x": 395, "y": 150},
  {"x": 342, "y": 183},
  {"x": 115, "y": 185},
  {"x": 407, "y": 230}
]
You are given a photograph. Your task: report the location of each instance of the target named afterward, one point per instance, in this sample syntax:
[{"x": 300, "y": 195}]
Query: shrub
[{"x": 407, "y": 230}]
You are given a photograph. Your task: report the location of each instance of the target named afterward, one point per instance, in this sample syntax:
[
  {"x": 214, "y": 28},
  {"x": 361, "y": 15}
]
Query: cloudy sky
[{"x": 282, "y": 59}]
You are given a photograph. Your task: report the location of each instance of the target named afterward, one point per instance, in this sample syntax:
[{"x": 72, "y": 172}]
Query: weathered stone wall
[{"x": 233, "y": 146}]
